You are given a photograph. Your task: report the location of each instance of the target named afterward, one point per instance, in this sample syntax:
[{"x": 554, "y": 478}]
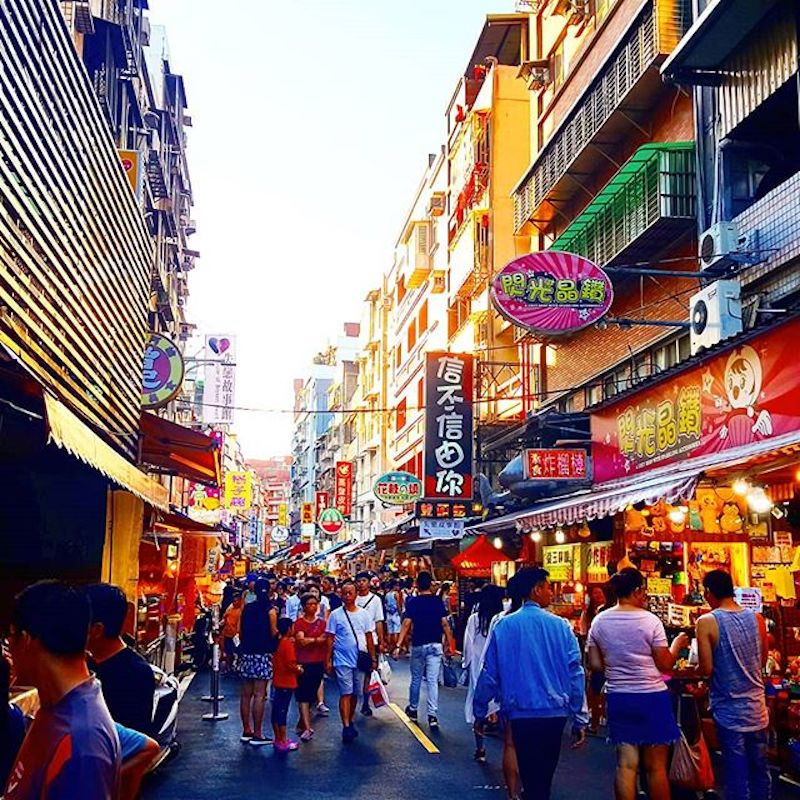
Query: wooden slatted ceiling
[{"x": 75, "y": 254}]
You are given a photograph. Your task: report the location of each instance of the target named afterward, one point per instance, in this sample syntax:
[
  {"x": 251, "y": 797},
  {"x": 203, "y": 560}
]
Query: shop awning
[
  {"x": 175, "y": 522},
  {"x": 177, "y": 450},
  {"x": 71, "y": 434},
  {"x": 670, "y": 483},
  {"x": 478, "y": 558},
  {"x": 321, "y": 556},
  {"x": 298, "y": 549}
]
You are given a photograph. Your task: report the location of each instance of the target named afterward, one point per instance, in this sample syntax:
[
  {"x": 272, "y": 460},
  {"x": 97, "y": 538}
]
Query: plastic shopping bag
[
  {"x": 691, "y": 766},
  {"x": 384, "y": 670},
  {"x": 377, "y": 692}
]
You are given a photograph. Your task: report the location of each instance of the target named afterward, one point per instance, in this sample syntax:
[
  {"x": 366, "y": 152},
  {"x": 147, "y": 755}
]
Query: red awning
[
  {"x": 301, "y": 547},
  {"x": 478, "y": 558},
  {"x": 177, "y": 450}
]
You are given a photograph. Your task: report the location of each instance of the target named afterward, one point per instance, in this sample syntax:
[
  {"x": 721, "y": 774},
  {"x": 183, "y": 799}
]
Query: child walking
[{"x": 285, "y": 670}]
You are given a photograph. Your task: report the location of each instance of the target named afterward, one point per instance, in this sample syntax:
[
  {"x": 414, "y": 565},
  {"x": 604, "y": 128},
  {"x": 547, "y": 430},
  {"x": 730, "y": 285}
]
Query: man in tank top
[{"x": 732, "y": 650}]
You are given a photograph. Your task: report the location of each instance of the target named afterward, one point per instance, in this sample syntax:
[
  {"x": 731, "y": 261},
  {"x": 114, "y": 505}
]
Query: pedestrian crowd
[{"x": 528, "y": 677}]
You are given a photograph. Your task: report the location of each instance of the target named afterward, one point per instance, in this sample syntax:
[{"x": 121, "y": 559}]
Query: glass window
[
  {"x": 401, "y": 414},
  {"x": 684, "y": 347}
]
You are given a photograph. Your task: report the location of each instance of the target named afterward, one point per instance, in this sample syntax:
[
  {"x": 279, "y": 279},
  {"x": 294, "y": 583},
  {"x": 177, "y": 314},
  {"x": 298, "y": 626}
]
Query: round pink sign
[{"x": 552, "y": 293}]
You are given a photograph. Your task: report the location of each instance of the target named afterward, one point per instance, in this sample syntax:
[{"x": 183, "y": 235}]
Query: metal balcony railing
[{"x": 649, "y": 202}]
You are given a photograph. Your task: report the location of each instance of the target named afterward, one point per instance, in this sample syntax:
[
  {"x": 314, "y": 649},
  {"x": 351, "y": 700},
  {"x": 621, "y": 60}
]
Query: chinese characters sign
[
  {"x": 441, "y": 528},
  {"x": 283, "y": 515},
  {"x": 556, "y": 465},
  {"x": 321, "y": 501},
  {"x": 552, "y": 293},
  {"x": 559, "y": 561},
  {"x": 343, "y": 499},
  {"x": 448, "y": 426},
  {"x": 744, "y": 395},
  {"x": 447, "y": 510},
  {"x": 219, "y": 390},
  {"x": 398, "y": 488},
  {"x": 307, "y": 515},
  {"x": 238, "y": 491},
  {"x": 162, "y": 373}
]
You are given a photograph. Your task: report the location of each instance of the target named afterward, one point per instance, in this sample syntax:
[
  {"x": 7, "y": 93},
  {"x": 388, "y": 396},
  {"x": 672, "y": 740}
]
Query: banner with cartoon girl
[{"x": 744, "y": 395}]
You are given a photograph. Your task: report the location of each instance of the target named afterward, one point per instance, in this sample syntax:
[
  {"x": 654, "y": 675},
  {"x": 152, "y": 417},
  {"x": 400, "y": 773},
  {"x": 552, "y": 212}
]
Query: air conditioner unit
[
  {"x": 722, "y": 245},
  {"x": 536, "y": 74},
  {"x": 715, "y": 314}
]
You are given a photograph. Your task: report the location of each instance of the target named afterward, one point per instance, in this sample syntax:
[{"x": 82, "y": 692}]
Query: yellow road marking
[{"x": 418, "y": 734}]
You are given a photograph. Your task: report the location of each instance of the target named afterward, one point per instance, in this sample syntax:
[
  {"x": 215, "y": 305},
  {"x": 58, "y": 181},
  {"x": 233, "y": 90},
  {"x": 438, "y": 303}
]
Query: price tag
[{"x": 661, "y": 587}]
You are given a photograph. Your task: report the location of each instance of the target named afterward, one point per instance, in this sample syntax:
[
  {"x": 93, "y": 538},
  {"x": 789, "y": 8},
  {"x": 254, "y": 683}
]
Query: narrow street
[{"x": 386, "y": 761}]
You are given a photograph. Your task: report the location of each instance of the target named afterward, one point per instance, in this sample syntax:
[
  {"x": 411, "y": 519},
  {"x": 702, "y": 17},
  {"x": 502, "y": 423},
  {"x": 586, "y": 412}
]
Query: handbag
[
  {"x": 691, "y": 766},
  {"x": 449, "y": 675},
  {"x": 364, "y": 659}
]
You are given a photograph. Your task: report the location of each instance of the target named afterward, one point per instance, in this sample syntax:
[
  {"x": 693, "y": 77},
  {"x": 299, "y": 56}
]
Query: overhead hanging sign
[
  {"x": 441, "y": 528},
  {"x": 552, "y": 293},
  {"x": 742, "y": 396},
  {"x": 398, "y": 488},
  {"x": 321, "y": 502},
  {"x": 331, "y": 521},
  {"x": 219, "y": 389},
  {"x": 448, "y": 426},
  {"x": 549, "y": 465},
  {"x": 163, "y": 370},
  {"x": 343, "y": 498},
  {"x": 283, "y": 515},
  {"x": 307, "y": 514},
  {"x": 279, "y": 535},
  {"x": 238, "y": 491}
]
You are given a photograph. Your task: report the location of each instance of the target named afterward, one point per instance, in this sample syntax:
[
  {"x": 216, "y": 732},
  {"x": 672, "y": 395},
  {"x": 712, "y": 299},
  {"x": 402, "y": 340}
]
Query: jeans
[
  {"x": 426, "y": 660},
  {"x": 744, "y": 759},
  {"x": 537, "y": 741}
]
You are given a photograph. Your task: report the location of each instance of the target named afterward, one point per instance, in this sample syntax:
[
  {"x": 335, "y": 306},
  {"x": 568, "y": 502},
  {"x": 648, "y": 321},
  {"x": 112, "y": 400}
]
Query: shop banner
[
  {"x": 558, "y": 560},
  {"x": 597, "y": 559},
  {"x": 552, "y": 293},
  {"x": 550, "y": 465},
  {"x": 344, "y": 488},
  {"x": 448, "y": 426},
  {"x": 321, "y": 501},
  {"x": 283, "y": 515},
  {"x": 238, "y": 491},
  {"x": 745, "y": 395},
  {"x": 219, "y": 389},
  {"x": 307, "y": 515},
  {"x": 441, "y": 528}
]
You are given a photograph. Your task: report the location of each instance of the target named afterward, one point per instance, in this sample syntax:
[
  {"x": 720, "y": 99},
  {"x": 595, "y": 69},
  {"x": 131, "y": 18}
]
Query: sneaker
[
  {"x": 322, "y": 710},
  {"x": 261, "y": 741},
  {"x": 348, "y": 734},
  {"x": 480, "y": 755},
  {"x": 245, "y": 737},
  {"x": 433, "y": 723},
  {"x": 411, "y": 713},
  {"x": 307, "y": 736},
  {"x": 366, "y": 710}
]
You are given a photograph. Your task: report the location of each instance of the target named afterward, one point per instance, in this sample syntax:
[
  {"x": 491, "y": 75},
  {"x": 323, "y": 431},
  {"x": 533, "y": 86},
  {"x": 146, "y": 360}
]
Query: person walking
[
  {"x": 629, "y": 645},
  {"x": 72, "y": 748},
  {"x": 373, "y": 605},
  {"x": 394, "y": 609},
  {"x": 312, "y": 649},
  {"x": 426, "y": 623},
  {"x": 258, "y": 638},
  {"x": 285, "y": 671},
  {"x": 351, "y": 654},
  {"x": 532, "y": 667},
  {"x": 489, "y": 605},
  {"x": 732, "y": 650}
]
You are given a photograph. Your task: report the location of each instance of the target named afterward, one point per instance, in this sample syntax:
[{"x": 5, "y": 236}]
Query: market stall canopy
[
  {"x": 178, "y": 450},
  {"x": 321, "y": 556},
  {"x": 478, "y": 558},
  {"x": 71, "y": 434},
  {"x": 298, "y": 549},
  {"x": 670, "y": 483},
  {"x": 175, "y": 522}
]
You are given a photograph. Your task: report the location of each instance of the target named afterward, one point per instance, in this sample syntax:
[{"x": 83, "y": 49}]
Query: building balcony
[
  {"x": 617, "y": 103},
  {"x": 649, "y": 203}
]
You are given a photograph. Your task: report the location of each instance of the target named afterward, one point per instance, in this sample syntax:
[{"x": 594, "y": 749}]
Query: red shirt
[
  {"x": 284, "y": 665},
  {"x": 317, "y": 653}
]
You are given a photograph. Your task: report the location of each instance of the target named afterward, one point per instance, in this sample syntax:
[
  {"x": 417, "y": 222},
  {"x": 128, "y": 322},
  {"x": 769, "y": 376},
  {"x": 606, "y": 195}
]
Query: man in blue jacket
[{"x": 532, "y": 668}]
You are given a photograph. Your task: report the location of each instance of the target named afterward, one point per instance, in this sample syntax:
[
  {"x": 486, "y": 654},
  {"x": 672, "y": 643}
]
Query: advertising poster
[{"x": 219, "y": 390}]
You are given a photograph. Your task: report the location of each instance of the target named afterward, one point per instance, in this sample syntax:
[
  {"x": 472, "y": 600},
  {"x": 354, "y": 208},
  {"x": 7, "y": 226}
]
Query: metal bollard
[
  {"x": 213, "y": 693},
  {"x": 215, "y": 715}
]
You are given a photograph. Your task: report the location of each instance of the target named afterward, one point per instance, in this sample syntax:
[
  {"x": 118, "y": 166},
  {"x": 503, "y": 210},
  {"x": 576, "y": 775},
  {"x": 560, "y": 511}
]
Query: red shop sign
[
  {"x": 343, "y": 498},
  {"x": 744, "y": 395}
]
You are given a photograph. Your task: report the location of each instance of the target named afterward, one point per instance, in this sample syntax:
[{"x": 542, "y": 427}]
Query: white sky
[{"x": 312, "y": 121}]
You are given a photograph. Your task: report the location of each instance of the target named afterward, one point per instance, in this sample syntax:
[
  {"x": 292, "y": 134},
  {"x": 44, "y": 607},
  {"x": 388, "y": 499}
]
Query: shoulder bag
[{"x": 364, "y": 659}]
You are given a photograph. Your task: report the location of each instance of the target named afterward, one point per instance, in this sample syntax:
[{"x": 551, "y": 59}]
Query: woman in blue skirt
[{"x": 630, "y": 645}]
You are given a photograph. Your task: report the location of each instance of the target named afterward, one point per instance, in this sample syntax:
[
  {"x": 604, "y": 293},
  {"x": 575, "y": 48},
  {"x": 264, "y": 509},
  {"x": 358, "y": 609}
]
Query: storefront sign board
[
  {"x": 398, "y": 488},
  {"x": 441, "y": 528},
  {"x": 343, "y": 489},
  {"x": 558, "y": 560},
  {"x": 162, "y": 373},
  {"x": 238, "y": 490},
  {"x": 549, "y": 465}
]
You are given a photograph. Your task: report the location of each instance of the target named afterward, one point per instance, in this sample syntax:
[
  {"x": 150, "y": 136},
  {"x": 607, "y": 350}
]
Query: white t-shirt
[
  {"x": 324, "y": 607},
  {"x": 626, "y": 639},
  {"x": 373, "y": 605},
  {"x": 345, "y": 647}
]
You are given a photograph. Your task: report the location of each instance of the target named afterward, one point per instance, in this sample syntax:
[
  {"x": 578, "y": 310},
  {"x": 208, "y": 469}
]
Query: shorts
[
  {"x": 255, "y": 666},
  {"x": 350, "y": 680},
  {"x": 308, "y": 683},
  {"x": 281, "y": 698},
  {"x": 641, "y": 718},
  {"x": 393, "y": 624}
]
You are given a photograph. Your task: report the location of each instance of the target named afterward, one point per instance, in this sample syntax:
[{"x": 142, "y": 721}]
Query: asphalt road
[{"x": 386, "y": 761}]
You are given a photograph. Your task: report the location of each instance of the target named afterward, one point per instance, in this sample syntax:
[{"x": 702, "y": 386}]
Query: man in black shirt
[
  {"x": 128, "y": 681},
  {"x": 426, "y": 619},
  {"x": 329, "y": 591}
]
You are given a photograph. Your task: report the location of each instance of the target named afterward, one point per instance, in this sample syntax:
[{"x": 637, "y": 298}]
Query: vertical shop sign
[
  {"x": 448, "y": 426},
  {"x": 238, "y": 491},
  {"x": 219, "y": 390},
  {"x": 307, "y": 516},
  {"x": 321, "y": 501},
  {"x": 283, "y": 515},
  {"x": 343, "y": 499}
]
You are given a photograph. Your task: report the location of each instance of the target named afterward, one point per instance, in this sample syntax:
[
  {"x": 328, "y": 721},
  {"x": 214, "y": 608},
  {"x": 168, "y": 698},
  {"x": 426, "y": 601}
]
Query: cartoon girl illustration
[{"x": 745, "y": 424}]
